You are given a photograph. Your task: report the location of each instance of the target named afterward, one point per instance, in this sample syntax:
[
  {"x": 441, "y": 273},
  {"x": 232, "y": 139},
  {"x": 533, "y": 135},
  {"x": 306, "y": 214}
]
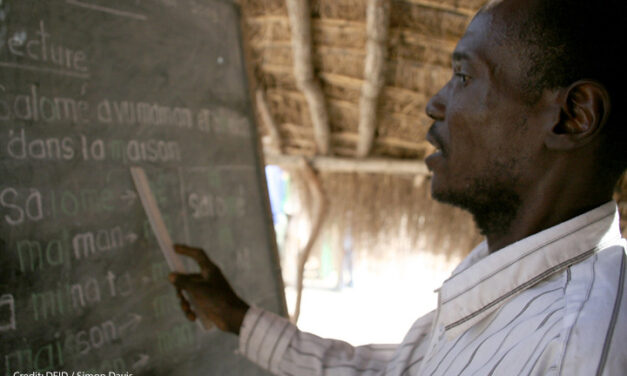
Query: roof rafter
[
  {"x": 338, "y": 164},
  {"x": 377, "y": 25},
  {"x": 267, "y": 119},
  {"x": 300, "y": 24}
]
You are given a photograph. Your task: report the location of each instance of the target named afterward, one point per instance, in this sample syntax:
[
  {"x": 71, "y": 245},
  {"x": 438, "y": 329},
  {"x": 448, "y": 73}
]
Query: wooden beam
[
  {"x": 377, "y": 24},
  {"x": 337, "y": 164},
  {"x": 351, "y": 137},
  {"x": 321, "y": 205},
  {"x": 267, "y": 119},
  {"x": 300, "y": 26},
  {"x": 442, "y": 6}
]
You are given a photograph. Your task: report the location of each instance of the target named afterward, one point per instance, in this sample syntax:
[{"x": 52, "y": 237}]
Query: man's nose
[{"x": 435, "y": 107}]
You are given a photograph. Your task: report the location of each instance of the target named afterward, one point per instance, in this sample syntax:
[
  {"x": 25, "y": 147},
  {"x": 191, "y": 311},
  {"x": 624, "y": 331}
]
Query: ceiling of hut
[{"x": 416, "y": 37}]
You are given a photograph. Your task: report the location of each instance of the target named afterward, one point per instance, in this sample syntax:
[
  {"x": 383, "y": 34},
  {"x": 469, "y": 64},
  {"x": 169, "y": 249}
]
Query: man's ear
[{"x": 585, "y": 109}]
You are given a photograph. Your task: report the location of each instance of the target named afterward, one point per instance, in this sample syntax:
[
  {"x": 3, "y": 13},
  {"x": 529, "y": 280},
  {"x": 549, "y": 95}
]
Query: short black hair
[{"x": 569, "y": 40}]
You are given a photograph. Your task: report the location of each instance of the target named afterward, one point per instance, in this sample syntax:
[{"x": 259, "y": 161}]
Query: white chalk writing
[
  {"x": 41, "y": 49},
  {"x": 7, "y": 313}
]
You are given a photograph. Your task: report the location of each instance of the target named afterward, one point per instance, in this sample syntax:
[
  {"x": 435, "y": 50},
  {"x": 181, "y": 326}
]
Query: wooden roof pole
[
  {"x": 377, "y": 24},
  {"x": 267, "y": 119},
  {"x": 441, "y": 6},
  {"x": 300, "y": 25},
  {"x": 321, "y": 205},
  {"x": 337, "y": 164}
]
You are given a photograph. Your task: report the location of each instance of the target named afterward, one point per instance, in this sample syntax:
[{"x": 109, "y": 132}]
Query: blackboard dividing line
[
  {"x": 161, "y": 233},
  {"x": 100, "y": 8},
  {"x": 182, "y": 187},
  {"x": 61, "y": 72}
]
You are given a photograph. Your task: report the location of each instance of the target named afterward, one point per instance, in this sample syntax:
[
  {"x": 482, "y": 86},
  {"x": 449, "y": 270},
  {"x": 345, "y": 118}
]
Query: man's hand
[{"x": 212, "y": 294}]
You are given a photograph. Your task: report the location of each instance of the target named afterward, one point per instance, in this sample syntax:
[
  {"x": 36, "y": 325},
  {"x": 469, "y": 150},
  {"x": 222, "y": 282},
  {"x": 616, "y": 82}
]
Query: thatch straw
[
  {"x": 429, "y": 21},
  {"x": 254, "y": 8},
  {"x": 352, "y": 10},
  {"x": 394, "y": 216}
]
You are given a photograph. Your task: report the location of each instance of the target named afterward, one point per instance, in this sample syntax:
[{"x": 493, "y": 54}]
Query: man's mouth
[
  {"x": 434, "y": 139},
  {"x": 440, "y": 153}
]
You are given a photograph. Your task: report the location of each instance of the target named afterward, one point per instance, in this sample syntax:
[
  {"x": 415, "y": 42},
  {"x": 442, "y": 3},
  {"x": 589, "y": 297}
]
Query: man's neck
[{"x": 540, "y": 210}]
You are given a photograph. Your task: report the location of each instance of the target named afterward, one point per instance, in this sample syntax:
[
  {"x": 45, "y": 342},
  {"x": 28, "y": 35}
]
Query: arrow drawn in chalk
[
  {"x": 141, "y": 362},
  {"x": 129, "y": 196},
  {"x": 132, "y": 323}
]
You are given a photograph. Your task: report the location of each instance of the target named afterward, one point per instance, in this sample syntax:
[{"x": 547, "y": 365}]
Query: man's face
[{"x": 488, "y": 137}]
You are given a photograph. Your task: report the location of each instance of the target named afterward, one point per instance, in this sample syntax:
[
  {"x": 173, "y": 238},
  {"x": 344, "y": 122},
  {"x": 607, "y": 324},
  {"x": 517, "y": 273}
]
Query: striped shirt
[{"x": 550, "y": 304}]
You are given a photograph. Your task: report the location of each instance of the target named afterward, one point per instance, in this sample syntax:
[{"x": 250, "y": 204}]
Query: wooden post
[
  {"x": 369, "y": 165},
  {"x": 377, "y": 24},
  {"x": 319, "y": 213},
  {"x": 300, "y": 26},
  {"x": 267, "y": 119}
]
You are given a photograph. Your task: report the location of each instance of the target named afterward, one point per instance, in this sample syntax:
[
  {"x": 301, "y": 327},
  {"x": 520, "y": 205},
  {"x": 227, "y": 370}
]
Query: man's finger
[
  {"x": 206, "y": 266},
  {"x": 184, "y": 281},
  {"x": 196, "y": 253},
  {"x": 191, "y": 316},
  {"x": 187, "y": 308}
]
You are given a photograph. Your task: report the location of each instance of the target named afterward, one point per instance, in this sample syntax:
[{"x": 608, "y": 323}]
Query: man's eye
[{"x": 462, "y": 77}]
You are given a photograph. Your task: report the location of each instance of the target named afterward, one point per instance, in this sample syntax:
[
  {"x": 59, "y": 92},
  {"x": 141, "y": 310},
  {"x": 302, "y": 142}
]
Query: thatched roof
[{"x": 419, "y": 40}]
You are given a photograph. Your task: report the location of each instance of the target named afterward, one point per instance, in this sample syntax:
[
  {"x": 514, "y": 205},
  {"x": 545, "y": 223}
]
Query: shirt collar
[{"x": 484, "y": 281}]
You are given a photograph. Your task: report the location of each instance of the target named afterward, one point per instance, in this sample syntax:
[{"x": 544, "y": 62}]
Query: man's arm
[
  {"x": 269, "y": 340},
  {"x": 277, "y": 345}
]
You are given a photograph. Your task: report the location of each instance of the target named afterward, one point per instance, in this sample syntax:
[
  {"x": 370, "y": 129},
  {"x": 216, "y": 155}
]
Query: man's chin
[
  {"x": 493, "y": 207},
  {"x": 439, "y": 191},
  {"x": 447, "y": 198},
  {"x": 443, "y": 192}
]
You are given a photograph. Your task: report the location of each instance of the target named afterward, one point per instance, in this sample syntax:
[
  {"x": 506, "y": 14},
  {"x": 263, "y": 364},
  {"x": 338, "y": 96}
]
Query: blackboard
[{"x": 89, "y": 88}]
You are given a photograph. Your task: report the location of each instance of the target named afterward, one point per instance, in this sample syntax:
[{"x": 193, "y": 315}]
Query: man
[{"x": 531, "y": 141}]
